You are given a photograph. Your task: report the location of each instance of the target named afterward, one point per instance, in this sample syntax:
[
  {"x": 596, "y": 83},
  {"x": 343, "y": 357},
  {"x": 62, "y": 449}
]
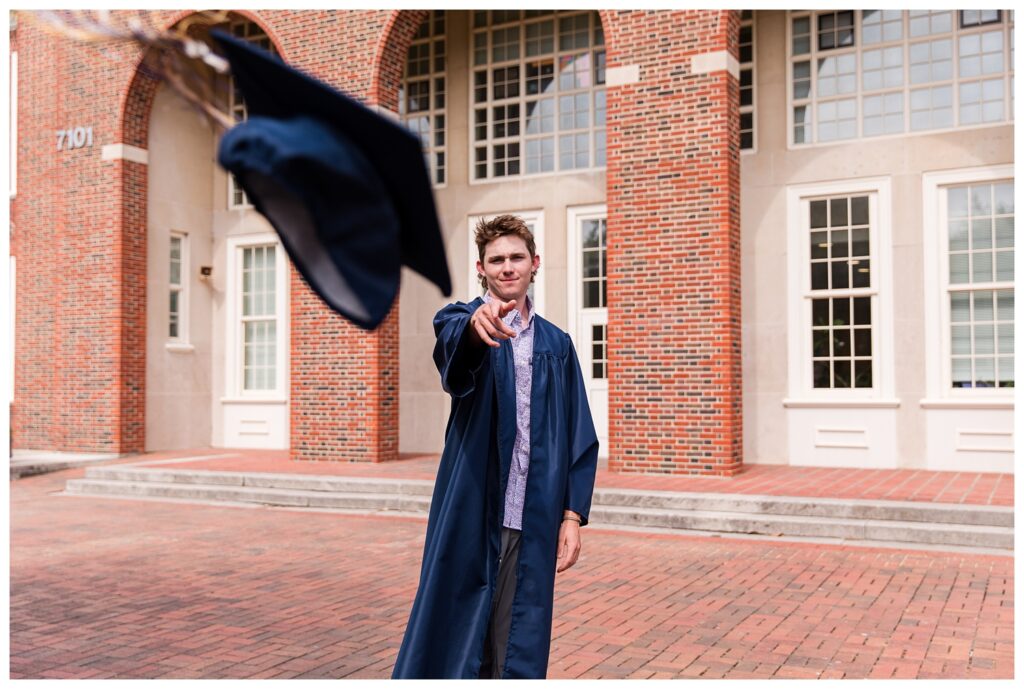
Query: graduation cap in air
[{"x": 346, "y": 189}]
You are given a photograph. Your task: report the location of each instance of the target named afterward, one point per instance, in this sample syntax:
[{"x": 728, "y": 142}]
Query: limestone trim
[
  {"x": 719, "y": 60},
  {"x": 125, "y": 152}
]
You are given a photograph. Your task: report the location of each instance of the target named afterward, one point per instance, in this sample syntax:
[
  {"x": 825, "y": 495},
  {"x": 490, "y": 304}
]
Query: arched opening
[{"x": 207, "y": 293}]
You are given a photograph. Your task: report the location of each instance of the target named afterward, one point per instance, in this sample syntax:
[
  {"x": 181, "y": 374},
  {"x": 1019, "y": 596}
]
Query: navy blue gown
[{"x": 449, "y": 618}]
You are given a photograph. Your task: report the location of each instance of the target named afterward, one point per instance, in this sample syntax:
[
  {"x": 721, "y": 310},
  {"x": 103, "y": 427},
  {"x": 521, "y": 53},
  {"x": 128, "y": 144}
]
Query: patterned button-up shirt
[{"x": 522, "y": 353}]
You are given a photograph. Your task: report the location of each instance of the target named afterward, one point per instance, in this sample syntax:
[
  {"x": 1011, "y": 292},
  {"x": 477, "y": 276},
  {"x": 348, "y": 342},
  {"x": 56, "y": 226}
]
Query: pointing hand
[{"x": 486, "y": 323}]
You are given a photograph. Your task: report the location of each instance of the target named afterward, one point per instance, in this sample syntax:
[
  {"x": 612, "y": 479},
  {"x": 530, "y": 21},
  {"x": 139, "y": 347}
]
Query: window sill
[
  {"x": 808, "y": 403},
  {"x": 964, "y": 403},
  {"x": 254, "y": 400},
  {"x": 182, "y": 347}
]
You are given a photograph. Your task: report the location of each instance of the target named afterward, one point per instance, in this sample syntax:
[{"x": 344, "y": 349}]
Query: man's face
[{"x": 507, "y": 266}]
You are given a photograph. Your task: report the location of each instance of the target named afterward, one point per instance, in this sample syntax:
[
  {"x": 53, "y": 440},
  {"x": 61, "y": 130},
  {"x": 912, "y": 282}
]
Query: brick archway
[
  {"x": 389, "y": 57},
  {"x": 133, "y": 179}
]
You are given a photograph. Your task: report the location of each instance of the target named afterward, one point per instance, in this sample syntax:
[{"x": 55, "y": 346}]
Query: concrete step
[
  {"x": 343, "y": 484},
  {"x": 831, "y": 508},
  {"x": 266, "y": 496},
  {"x": 857, "y": 520},
  {"x": 816, "y": 527}
]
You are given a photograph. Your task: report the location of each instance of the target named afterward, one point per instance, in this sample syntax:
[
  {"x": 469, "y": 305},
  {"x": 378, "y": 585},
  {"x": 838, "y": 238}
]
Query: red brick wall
[
  {"x": 673, "y": 260},
  {"x": 80, "y": 384},
  {"x": 674, "y": 247},
  {"x": 344, "y": 381},
  {"x": 80, "y": 357}
]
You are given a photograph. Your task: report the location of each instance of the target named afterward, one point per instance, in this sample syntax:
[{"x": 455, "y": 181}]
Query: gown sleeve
[
  {"x": 583, "y": 443},
  {"x": 457, "y": 360}
]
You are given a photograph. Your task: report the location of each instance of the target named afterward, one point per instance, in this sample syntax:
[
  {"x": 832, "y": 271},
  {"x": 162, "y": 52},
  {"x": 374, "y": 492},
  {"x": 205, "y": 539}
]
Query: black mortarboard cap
[{"x": 346, "y": 189}]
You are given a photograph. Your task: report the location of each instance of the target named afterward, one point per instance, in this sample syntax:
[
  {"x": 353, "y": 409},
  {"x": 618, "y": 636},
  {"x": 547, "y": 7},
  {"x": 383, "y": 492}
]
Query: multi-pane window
[
  {"x": 980, "y": 59},
  {"x": 259, "y": 318},
  {"x": 747, "y": 80},
  {"x": 978, "y": 17},
  {"x": 252, "y": 33},
  {"x": 593, "y": 286},
  {"x": 538, "y": 94},
  {"x": 881, "y": 26},
  {"x": 835, "y": 29},
  {"x": 595, "y": 263},
  {"x": 980, "y": 235},
  {"x": 422, "y": 99},
  {"x": 176, "y": 287},
  {"x": 929, "y": 22},
  {"x": 599, "y": 352},
  {"x": 882, "y": 72},
  {"x": 841, "y": 292}
]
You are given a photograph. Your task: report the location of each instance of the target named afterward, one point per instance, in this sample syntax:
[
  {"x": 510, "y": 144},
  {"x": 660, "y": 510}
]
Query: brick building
[{"x": 774, "y": 236}]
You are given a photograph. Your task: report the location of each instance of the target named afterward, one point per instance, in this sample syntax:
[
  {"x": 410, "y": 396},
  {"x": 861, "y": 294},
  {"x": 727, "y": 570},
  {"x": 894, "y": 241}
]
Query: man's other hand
[
  {"x": 486, "y": 325},
  {"x": 569, "y": 544}
]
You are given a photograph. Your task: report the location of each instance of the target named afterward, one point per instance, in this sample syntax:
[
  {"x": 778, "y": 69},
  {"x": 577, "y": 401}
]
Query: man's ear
[
  {"x": 479, "y": 268},
  {"x": 536, "y": 261}
]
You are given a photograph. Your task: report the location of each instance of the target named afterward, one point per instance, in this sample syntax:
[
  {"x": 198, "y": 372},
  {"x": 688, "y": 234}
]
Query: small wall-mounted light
[{"x": 205, "y": 272}]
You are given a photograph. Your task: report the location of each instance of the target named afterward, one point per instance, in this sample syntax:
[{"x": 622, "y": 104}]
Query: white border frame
[
  {"x": 573, "y": 275},
  {"x": 184, "y": 291},
  {"x": 534, "y": 217},
  {"x": 574, "y": 214},
  {"x": 936, "y": 308},
  {"x": 798, "y": 309},
  {"x": 233, "y": 348}
]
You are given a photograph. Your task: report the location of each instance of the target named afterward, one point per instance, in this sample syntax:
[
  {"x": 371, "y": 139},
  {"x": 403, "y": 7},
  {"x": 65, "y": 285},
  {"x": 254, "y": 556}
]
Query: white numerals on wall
[{"x": 70, "y": 139}]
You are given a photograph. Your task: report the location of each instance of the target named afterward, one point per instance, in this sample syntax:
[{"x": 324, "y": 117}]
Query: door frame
[{"x": 574, "y": 297}]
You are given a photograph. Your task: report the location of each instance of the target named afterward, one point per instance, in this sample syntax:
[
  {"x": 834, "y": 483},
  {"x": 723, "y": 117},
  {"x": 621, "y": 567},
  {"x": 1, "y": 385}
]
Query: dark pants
[{"x": 501, "y": 606}]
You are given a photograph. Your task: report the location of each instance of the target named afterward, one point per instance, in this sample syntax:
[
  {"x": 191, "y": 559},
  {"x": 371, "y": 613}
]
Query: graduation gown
[{"x": 450, "y": 614}]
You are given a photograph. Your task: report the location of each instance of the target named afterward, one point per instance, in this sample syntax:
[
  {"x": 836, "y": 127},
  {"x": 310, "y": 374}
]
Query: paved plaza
[{"x": 123, "y": 588}]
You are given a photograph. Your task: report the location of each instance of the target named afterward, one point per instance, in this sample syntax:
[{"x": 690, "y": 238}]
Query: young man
[{"x": 515, "y": 480}]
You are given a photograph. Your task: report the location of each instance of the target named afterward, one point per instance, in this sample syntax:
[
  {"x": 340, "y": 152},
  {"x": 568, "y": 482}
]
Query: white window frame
[
  {"x": 799, "y": 296},
  {"x": 938, "y": 373},
  {"x": 574, "y": 296},
  {"x": 182, "y": 289},
  {"x": 521, "y": 100},
  {"x": 431, "y": 149},
  {"x": 534, "y": 217},
  {"x": 858, "y": 48},
  {"x": 234, "y": 355}
]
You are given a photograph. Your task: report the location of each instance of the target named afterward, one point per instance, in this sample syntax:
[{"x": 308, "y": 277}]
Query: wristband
[{"x": 572, "y": 519}]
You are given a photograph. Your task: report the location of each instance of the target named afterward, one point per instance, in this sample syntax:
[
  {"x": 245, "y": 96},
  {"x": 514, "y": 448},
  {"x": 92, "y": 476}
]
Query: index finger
[{"x": 500, "y": 324}]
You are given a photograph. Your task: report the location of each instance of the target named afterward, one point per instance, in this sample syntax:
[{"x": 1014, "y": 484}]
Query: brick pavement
[{"x": 107, "y": 588}]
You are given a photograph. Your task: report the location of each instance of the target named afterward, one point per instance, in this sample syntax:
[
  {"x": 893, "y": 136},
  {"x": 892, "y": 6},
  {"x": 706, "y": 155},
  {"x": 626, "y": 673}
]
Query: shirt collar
[{"x": 514, "y": 313}]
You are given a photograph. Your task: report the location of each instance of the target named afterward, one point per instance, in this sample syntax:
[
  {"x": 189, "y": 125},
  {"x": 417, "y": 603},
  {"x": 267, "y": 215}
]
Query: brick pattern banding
[{"x": 674, "y": 248}]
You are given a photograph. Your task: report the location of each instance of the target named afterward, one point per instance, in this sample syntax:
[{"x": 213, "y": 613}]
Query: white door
[{"x": 588, "y": 307}]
